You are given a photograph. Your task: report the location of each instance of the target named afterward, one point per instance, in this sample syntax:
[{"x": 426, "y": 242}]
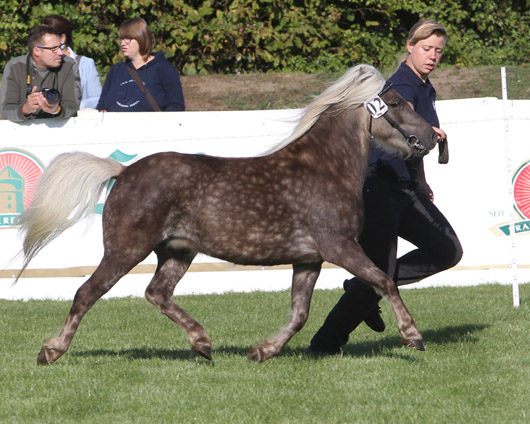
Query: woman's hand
[{"x": 441, "y": 133}]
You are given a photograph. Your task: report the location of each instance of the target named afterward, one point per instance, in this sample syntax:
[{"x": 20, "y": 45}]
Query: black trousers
[{"x": 392, "y": 211}]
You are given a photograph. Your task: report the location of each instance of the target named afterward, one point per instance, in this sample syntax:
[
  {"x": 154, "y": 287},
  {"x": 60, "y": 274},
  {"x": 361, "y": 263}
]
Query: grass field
[{"x": 129, "y": 364}]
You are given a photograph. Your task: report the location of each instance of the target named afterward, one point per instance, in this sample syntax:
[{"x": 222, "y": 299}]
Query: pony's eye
[{"x": 394, "y": 104}]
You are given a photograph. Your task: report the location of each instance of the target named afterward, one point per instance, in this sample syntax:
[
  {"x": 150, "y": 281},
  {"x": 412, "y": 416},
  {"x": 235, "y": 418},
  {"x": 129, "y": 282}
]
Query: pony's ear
[{"x": 443, "y": 151}]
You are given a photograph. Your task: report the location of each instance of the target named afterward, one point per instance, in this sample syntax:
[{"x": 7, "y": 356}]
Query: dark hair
[
  {"x": 62, "y": 25},
  {"x": 137, "y": 29},
  {"x": 36, "y": 34}
]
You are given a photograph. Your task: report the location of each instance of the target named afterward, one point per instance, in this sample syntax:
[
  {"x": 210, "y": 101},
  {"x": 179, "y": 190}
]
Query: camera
[{"x": 50, "y": 94}]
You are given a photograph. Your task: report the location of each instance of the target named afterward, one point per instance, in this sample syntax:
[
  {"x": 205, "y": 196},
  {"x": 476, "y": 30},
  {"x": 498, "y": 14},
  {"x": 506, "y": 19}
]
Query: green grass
[{"x": 128, "y": 363}]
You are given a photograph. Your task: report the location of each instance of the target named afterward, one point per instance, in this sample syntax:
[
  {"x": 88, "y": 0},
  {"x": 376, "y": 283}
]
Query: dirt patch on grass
[
  {"x": 283, "y": 91},
  {"x": 253, "y": 91}
]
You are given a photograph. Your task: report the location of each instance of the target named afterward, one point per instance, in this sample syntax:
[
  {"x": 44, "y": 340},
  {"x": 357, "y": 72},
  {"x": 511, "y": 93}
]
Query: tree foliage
[{"x": 223, "y": 36}]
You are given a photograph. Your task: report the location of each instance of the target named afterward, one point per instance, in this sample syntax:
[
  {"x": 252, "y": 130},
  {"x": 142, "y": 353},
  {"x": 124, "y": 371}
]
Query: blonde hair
[
  {"x": 420, "y": 31},
  {"x": 137, "y": 29}
]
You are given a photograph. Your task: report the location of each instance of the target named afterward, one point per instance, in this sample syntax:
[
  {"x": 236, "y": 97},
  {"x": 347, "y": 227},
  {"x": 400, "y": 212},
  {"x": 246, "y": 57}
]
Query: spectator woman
[
  {"x": 90, "y": 83},
  {"x": 398, "y": 203},
  {"x": 146, "y": 81}
]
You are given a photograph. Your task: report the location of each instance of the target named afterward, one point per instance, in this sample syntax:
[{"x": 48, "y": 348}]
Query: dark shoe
[
  {"x": 347, "y": 284},
  {"x": 374, "y": 320},
  {"x": 351, "y": 309},
  {"x": 324, "y": 351}
]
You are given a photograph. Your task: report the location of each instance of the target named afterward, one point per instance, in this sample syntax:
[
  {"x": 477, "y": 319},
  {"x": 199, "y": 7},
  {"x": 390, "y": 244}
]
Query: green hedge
[{"x": 280, "y": 35}]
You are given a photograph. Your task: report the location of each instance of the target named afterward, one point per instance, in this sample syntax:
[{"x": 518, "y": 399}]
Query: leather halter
[{"x": 412, "y": 140}]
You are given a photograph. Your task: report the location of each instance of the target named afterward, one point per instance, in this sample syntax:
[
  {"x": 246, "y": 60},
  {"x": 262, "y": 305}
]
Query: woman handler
[{"x": 398, "y": 203}]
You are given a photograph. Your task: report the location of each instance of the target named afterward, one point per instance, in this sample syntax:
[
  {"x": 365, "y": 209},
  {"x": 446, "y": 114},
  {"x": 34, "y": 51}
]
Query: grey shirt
[{"x": 65, "y": 79}]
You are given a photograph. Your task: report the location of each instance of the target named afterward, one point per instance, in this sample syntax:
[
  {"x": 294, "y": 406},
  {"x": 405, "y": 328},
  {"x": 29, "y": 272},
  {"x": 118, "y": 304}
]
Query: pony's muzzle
[{"x": 415, "y": 144}]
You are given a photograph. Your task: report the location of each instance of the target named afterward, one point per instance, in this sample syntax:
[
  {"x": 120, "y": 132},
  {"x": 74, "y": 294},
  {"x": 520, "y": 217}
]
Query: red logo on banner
[
  {"x": 19, "y": 173},
  {"x": 521, "y": 190}
]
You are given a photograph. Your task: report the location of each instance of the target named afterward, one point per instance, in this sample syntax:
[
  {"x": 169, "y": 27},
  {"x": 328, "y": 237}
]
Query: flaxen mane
[{"x": 357, "y": 85}]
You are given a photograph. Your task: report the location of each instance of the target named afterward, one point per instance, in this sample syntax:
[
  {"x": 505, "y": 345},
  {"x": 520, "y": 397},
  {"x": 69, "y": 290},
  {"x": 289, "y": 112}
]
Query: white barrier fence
[{"x": 471, "y": 190}]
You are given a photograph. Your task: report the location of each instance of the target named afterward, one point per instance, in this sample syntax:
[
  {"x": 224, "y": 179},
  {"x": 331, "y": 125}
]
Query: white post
[{"x": 515, "y": 282}]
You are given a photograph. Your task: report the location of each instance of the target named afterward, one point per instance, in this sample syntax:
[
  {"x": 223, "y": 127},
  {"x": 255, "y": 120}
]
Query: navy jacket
[
  {"x": 422, "y": 95},
  {"x": 121, "y": 93}
]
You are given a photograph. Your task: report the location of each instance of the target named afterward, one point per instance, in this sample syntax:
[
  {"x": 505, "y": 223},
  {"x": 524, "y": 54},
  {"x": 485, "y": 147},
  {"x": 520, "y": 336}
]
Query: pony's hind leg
[
  {"x": 304, "y": 280},
  {"x": 172, "y": 265},
  {"x": 102, "y": 280}
]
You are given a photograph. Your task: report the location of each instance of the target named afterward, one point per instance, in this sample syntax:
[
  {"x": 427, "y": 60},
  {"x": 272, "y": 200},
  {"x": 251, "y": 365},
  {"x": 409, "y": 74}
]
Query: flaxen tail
[{"x": 67, "y": 191}]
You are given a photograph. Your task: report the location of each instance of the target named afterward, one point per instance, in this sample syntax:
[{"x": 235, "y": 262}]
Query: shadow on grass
[
  {"x": 386, "y": 346},
  {"x": 441, "y": 336},
  {"x": 382, "y": 347},
  {"x": 138, "y": 353},
  {"x": 154, "y": 353}
]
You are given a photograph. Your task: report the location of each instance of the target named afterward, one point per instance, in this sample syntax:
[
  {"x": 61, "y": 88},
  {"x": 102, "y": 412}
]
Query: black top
[{"x": 422, "y": 95}]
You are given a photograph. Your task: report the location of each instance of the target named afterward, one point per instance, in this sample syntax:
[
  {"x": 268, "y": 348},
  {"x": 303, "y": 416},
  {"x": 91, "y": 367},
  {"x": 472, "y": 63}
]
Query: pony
[{"x": 299, "y": 203}]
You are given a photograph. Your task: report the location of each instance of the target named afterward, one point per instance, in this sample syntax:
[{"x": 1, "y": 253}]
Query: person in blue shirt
[
  {"x": 90, "y": 83},
  {"x": 398, "y": 202},
  {"x": 160, "y": 80}
]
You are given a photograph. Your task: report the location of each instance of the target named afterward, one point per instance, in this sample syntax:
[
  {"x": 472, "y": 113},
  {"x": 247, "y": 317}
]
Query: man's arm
[{"x": 12, "y": 92}]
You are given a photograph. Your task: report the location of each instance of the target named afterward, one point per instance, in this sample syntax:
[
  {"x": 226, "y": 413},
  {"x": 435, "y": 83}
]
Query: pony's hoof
[
  {"x": 47, "y": 356},
  {"x": 203, "y": 346},
  {"x": 204, "y": 350},
  {"x": 41, "y": 357},
  {"x": 255, "y": 354},
  {"x": 414, "y": 344}
]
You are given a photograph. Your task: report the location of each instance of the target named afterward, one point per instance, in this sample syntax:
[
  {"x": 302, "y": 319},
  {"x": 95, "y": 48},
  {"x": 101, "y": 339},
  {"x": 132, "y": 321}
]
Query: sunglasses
[{"x": 54, "y": 48}]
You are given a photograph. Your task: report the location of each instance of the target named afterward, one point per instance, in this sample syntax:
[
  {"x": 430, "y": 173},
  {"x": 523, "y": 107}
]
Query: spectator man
[{"x": 41, "y": 84}]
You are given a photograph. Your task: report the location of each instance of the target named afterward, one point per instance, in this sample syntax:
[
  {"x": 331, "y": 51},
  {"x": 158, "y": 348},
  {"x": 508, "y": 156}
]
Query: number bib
[{"x": 376, "y": 106}]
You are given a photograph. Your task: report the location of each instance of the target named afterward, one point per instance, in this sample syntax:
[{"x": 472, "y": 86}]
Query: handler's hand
[{"x": 441, "y": 133}]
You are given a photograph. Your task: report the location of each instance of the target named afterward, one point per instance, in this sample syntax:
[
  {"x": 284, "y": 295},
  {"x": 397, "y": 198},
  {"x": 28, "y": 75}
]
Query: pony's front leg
[
  {"x": 304, "y": 279},
  {"x": 411, "y": 336},
  {"x": 350, "y": 256}
]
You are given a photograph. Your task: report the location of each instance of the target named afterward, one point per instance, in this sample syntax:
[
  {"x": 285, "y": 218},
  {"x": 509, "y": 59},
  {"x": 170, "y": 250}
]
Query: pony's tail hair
[{"x": 67, "y": 191}]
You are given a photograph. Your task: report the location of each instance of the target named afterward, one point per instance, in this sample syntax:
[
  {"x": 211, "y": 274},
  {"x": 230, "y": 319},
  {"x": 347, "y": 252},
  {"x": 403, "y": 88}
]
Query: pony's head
[{"x": 395, "y": 126}]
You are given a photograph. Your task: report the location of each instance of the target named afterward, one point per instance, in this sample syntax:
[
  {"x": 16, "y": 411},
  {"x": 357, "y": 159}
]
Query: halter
[{"x": 377, "y": 108}]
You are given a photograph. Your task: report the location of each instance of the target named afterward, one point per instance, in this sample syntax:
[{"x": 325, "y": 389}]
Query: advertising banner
[{"x": 472, "y": 190}]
